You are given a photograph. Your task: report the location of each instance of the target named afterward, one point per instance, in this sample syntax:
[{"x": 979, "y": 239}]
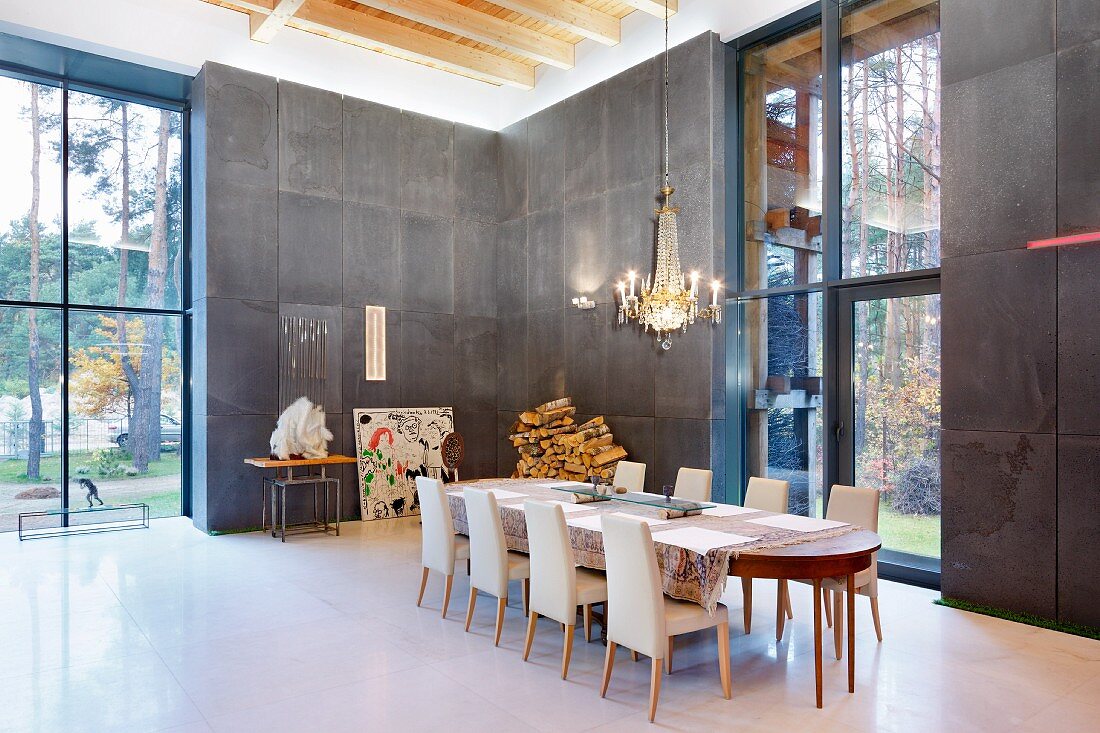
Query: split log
[
  {"x": 554, "y": 404},
  {"x": 615, "y": 454}
]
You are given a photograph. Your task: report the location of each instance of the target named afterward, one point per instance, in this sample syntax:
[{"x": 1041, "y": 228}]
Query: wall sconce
[
  {"x": 584, "y": 303},
  {"x": 374, "y": 351}
]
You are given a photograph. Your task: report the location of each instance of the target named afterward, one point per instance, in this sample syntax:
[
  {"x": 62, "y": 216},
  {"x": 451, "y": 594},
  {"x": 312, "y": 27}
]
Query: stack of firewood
[{"x": 552, "y": 445}]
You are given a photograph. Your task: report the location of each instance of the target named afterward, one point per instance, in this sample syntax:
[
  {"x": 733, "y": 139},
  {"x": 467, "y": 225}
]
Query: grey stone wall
[
  {"x": 309, "y": 203},
  {"x": 579, "y": 182},
  {"x": 1021, "y": 439}
]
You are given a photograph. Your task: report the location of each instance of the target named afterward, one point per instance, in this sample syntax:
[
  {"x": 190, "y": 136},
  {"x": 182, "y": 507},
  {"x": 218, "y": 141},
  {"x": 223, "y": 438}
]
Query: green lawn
[{"x": 14, "y": 470}]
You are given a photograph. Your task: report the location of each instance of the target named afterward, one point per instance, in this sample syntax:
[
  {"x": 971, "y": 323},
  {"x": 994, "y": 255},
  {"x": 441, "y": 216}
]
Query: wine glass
[{"x": 667, "y": 490}]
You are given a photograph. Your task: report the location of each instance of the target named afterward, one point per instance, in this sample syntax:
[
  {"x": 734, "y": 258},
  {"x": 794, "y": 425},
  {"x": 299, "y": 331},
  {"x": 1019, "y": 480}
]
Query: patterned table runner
[{"x": 685, "y": 574}]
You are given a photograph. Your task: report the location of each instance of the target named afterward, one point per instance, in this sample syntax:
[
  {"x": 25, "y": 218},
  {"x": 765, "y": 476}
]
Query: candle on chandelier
[
  {"x": 622, "y": 292},
  {"x": 695, "y": 284},
  {"x": 714, "y": 293},
  {"x": 631, "y": 275}
]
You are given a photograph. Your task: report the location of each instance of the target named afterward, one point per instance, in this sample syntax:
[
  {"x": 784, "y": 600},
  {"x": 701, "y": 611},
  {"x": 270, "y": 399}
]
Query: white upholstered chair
[
  {"x": 693, "y": 484},
  {"x": 492, "y": 565},
  {"x": 858, "y": 506},
  {"x": 558, "y": 586},
  {"x": 768, "y": 495},
  {"x": 645, "y": 619},
  {"x": 440, "y": 546},
  {"x": 629, "y": 475}
]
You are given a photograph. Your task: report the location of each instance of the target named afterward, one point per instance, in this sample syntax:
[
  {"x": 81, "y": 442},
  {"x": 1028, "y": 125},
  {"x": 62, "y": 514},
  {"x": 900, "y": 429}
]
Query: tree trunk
[
  {"x": 36, "y": 427},
  {"x": 146, "y": 447}
]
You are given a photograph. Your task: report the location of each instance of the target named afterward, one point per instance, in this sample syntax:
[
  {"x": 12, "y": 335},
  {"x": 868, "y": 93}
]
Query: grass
[
  {"x": 1021, "y": 618},
  {"x": 14, "y": 470}
]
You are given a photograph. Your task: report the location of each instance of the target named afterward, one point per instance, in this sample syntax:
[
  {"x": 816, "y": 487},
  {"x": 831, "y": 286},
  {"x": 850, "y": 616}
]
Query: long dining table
[{"x": 762, "y": 545}]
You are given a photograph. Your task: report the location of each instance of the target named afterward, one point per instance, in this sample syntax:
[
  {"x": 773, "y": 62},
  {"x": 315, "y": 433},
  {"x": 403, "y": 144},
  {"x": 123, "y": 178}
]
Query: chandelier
[{"x": 669, "y": 301}]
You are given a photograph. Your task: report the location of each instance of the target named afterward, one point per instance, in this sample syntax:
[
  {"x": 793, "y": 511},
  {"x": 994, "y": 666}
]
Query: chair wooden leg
[
  {"x": 502, "y": 603},
  {"x": 746, "y": 589},
  {"x": 780, "y": 611},
  {"x": 423, "y": 585},
  {"x": 467, "y": 566},
  {"x": 447, "y": 594},
  {"x": 470, "y": 607},
  {"x": 587, "y": 613},
  {"x": 668, "y": 656},
  {"x": 724, "y": 658},
  {"x": 654, "y": 688},
  {"x": 817, "y": 639},
  {"x": 838, "y": 622},
  {"x": 874, "y": 615},
  {"x": 526, "y": 595},
  {"x": 787, "y": 599},
  {"x": 828, "y": 608},
  {"x": 608, "y": 663},
  {"x": 851, "y": 633},
  {"x": 633, "y": 656},
  {"x": 532, "y": 619},
  {"x": 567, "y": 649}
]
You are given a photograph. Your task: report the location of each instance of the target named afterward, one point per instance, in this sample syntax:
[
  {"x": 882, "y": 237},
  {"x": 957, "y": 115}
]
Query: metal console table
[
  {"x": 285, "y": 477},
  {"x": 105, "y": 525}
]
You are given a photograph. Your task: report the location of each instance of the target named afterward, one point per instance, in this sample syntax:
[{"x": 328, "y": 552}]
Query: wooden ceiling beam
[
  {"x": 361, "y": 29},
  {"x": 263, "y": 28},
  {"x": 656, "y": 8},
  {"x": 489, "y": 29},
  {"x": 571, "y": 15}
]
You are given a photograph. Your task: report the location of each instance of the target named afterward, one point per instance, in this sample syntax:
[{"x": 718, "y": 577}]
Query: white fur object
[{"x": 301, "y": 431}]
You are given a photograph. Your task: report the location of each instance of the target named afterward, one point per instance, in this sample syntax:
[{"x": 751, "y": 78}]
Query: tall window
[
  {"x": 91, "y": 264},
  {"x": 838, "y": 327}
]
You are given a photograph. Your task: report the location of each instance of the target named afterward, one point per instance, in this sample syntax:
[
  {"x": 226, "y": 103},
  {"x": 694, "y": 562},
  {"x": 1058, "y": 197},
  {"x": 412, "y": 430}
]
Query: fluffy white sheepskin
[{"x": 301, "y": 431}]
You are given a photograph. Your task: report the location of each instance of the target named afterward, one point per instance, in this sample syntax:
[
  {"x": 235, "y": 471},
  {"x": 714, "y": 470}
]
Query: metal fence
[{"x": 84, "y": 435}]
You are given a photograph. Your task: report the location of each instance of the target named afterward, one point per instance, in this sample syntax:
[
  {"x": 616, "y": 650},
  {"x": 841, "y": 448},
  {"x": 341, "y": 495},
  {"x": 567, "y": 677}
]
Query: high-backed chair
[
  {"x": 693, "y": 484},
  {"x": 453, "y": 451},
  {"x": 558, "y": 586},
  {"x": 492, "y": 565},
  {"x": 858, "y": 506},
  {"x": 645, "y": 619},
  {"x": 440, "y": 547},
  {"x": 768, "y": 495},
  {"x": 629, "y": 475}
]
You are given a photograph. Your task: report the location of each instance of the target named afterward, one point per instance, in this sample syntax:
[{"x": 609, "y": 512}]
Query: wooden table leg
[
  {"x": 851, "y": 633},
  {"x": 817, "y": 637}
]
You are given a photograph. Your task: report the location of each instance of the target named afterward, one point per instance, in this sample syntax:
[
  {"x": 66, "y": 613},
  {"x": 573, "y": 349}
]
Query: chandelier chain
[{"x": 666, "y": 93}]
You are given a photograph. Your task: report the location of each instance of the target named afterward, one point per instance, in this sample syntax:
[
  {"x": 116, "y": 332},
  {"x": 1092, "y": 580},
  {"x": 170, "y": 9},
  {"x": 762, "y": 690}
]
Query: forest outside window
[{"x": 92, "y": 190}]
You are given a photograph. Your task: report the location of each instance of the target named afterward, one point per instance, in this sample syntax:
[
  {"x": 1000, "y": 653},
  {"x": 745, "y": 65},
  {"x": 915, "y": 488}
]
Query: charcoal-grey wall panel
[
  {"x": 372, "y": 160},
  {"x": 310, "y": 249},
  {"x": 545, "y": 260},
  {"x": 999, "y": 519},
  {"x": 358, "y": 392},
  {"x": 981, "y": 37},
  {"x": 546, "y": 158},
  {"x": 586, "y": 355},
  {"x": 232, "y": 497},
  {"x": 998, "y": 341},
  {"x": 475, "y": 369},
  {"x": 512, "y": 362},
  {"x": 332, "y": 315},
  {"x": 586, "y": 143},
  {"x": 512, "y": 171},
  {"x": 1078, "y": 527},
  {"x": 630, "y": 368},
  {"x": 241, "y": 127},
  {"x": 999, "y": 155},
  {"x": 427, "y": 165},
  {"x": 587, "y": 255},
  {"x": 683, "y": 375},
  {"x": 479, "y": 438},
  {"x": 691, "y": 103},
  {"x": 1078, "y": 341},
  {"x": 242, "y": 357},
  {"x": 1079, "y": 137},
  {"x": 632, "y": 228},
  {"x": 311, "y": 133},
  {"x": 475, "y": 172},
  {"x": 511, "y": 270},
  {"x": 427, "y": 263},
  {"x": 545, "y": 357},
  {"x": 635, "y": 434},
  {"x": 678, "y": 443},
  {"x": 371, "y": 255},
  {"x": 1078, "y": 22},
  {"x": 427, "y": 359},
  {"x": 633, "y": 140},
  {"x": 241, "y": 248},
  {"x": 475, "y": 270}
]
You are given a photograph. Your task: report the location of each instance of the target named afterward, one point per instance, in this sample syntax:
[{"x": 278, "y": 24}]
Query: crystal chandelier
[{"x": 668, "y": 302}]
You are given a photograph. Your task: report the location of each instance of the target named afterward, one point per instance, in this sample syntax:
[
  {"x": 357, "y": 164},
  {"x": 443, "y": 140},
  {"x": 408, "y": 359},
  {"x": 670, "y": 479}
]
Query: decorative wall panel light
[{"x": 374, "y": 350}]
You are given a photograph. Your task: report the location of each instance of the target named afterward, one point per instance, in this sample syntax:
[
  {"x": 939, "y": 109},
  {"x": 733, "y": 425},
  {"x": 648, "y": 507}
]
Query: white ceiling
[{"x": 180, "y": 35}]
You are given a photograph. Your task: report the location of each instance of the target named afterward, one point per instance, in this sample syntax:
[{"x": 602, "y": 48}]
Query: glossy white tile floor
[{"x": 168, "y": 629}]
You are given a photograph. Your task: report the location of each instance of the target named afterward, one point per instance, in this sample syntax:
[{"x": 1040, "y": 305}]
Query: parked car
[{"x": 171, "y": 433}]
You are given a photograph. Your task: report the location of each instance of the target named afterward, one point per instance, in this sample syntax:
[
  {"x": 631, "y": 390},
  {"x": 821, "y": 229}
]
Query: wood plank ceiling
[{"x": 499, "y": 42}]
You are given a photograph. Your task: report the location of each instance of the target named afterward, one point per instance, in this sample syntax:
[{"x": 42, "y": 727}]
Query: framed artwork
[{"x": 394, "y": 446}]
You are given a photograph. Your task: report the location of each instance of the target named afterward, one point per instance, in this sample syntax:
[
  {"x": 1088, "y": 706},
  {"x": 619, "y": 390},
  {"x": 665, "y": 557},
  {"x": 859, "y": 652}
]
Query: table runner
[{"x": 685, "y": 574}]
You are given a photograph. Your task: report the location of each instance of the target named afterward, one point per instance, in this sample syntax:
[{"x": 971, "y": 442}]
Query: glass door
[{"x": 889, "y": 419}]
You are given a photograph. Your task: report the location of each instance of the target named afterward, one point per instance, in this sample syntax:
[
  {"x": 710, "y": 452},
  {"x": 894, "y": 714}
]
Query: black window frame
[
  {"x": 832, "y": 285},
  {"x": 71, "y": 70}
]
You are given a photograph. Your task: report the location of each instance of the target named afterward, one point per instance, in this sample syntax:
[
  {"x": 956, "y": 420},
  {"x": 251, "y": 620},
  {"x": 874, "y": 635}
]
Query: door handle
[{"x": 838, "y": 431}]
